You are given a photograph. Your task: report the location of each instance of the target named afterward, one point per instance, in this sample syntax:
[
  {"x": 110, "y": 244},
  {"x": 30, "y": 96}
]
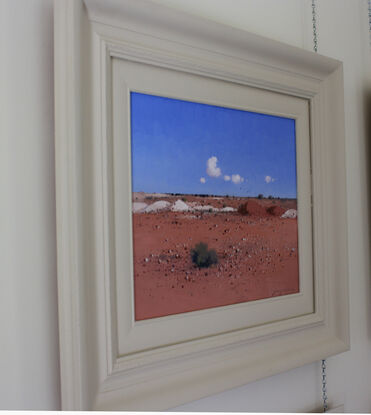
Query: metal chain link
[
  {"x": 314, "y": 24},
  {"x": 324, "y": 386},
  {"x": 315, "y": 48},
  {"x": 369, "y": 19}
]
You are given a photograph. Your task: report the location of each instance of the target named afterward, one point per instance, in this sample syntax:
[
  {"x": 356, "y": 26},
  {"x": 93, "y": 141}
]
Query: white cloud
[
  {"x": 203, "y": 180},
  {"x": 237, "y": 179},
  {"x": 211, "y": 169},
  {"x": 269, "y": 179},
  {"x": 227, "y": 178}
]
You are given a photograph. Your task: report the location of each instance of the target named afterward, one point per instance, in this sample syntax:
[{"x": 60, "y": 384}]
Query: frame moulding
[{"x": 89, "y": 36}]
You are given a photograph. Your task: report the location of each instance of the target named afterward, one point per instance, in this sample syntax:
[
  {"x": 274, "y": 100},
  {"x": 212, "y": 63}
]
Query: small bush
[
  {"x": 202, "y": 256},
  {"x": 184, "y": 199},
  {"x": 260, "y": 196},
  {"x": 242, "y": 209},
  {"x": 271, "y": 210}
]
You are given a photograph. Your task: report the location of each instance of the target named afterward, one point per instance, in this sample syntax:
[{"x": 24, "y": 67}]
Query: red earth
[{"x": 257, "y": 255}]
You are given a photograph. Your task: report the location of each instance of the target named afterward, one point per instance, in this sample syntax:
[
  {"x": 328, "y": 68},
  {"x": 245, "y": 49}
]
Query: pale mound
[
  {"x": 180, "y": 206},
  {"x": 228, "y": 209},
  {"x": 206, "y": 208},
  {"x": 290, "y": 214},
  {"x": 203, "y": 208},
  {"x": 157, "y": 206},
  {"x": 139, "y": 207}
]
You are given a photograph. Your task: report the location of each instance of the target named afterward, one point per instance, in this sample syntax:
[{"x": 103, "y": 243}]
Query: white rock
[
  {"x": 228, "y": 209},
  {"x": 157, "y": 206},
  {"x": 180, "y": 206},
  {"x": 203, "y": 208},
  {"x": 206, "y": 208},
  {"x": 290, "y": 214},
  {"x": 139, "y": 207}
]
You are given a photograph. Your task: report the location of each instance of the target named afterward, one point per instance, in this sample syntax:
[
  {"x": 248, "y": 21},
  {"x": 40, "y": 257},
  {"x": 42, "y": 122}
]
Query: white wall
[{"x": 29, "y": 373}]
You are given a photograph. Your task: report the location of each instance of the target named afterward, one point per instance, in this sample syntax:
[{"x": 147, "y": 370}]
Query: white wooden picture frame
[{"x": 103, "y": 50}]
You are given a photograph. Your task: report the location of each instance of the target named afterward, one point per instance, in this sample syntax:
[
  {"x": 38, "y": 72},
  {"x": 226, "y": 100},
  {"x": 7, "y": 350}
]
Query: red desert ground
[{"x": 256, "y": 244}]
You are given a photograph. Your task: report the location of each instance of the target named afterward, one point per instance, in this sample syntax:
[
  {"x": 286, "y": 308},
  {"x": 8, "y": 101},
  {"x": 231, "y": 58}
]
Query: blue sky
[{"x": 186, "y": 147}]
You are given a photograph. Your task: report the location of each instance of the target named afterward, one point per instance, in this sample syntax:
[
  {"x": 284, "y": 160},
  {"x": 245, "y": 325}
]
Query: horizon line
[{"x": 217, "y": 195}]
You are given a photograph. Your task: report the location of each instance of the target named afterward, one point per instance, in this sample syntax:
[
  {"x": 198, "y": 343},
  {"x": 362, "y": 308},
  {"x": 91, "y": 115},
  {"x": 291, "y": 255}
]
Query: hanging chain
[
  {"x": 324, "y": 386},
  {"x": 315, "y": 48},
  {"x": 369, "y": 19},
  {"x": 314, "y": 24}
]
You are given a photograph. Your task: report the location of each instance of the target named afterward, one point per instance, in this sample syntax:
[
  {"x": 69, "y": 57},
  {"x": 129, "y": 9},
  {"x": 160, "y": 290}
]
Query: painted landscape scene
[{"x": 214, "y": 206}]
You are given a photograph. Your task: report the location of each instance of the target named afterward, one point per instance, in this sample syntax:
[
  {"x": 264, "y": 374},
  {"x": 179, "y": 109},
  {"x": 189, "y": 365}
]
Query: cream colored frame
[
  {"x": 104, "y": 49},
  {"x": 134, "y": 336}
]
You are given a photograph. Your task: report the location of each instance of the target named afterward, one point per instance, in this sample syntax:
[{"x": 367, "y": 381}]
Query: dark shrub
[
  {"x": 242, "y": 209},
  {"x": 202, "y": 256},
  {"x": 260, "y": 196},
  {"x": 271, "y": 210}
]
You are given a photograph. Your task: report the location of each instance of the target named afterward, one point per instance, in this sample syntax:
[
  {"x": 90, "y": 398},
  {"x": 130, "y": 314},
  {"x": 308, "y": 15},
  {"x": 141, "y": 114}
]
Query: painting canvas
[{"x": 214, "y": 206}]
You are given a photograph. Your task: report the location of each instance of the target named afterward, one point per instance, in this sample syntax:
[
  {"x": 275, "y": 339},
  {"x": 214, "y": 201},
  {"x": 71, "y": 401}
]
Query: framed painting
[
  {"x": 200, "y": 206},
  {"x": 214, "y": 206}
]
